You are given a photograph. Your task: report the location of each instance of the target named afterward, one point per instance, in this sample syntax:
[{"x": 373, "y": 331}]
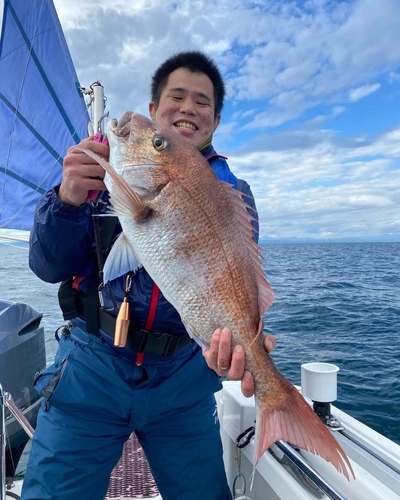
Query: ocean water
[
  {"x": 340, "y": 303},
  {"x": 335, "y": 302}
]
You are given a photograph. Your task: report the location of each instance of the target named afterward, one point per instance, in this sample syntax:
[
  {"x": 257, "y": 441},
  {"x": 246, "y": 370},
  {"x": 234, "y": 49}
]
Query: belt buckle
[
  {"x": 159, "y": 343},
  {"x": 170, "y": 345}
]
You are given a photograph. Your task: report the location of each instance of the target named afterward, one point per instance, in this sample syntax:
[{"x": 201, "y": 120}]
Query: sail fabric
[{"x": 42, "y": 111}]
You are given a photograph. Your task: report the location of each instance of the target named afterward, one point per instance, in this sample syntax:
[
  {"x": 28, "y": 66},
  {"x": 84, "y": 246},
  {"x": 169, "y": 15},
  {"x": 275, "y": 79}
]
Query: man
[{"x": 97, "y": 394}]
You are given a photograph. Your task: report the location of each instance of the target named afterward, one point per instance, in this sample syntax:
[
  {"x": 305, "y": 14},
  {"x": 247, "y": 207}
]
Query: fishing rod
[
  {"x": 97, "y": 104},
  {"x": 96, "y": 127}
]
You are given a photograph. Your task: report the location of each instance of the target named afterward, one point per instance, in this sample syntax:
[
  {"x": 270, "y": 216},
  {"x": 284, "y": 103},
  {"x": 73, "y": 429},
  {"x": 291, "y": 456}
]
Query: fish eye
[{"x": 159, "y": 143}]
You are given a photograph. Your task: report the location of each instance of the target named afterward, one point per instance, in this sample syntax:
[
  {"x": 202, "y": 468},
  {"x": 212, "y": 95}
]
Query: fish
[{"x": 194, "y": 236}]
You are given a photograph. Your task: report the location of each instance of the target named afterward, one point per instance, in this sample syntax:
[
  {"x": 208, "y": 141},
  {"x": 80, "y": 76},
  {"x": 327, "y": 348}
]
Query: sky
[{"x": 312, "y": 115}]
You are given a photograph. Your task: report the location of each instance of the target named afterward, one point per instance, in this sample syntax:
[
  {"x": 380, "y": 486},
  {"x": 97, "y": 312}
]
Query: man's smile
[{"x": 186, "y": 125}]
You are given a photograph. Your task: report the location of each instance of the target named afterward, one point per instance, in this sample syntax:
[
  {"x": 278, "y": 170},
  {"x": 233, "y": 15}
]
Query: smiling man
[
  {"x": 187, "y": 104},
  {"x": 159, "y": 385}
]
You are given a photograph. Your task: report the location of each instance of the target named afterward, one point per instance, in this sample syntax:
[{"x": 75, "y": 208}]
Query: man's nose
[{"x": 187, "y": 106}]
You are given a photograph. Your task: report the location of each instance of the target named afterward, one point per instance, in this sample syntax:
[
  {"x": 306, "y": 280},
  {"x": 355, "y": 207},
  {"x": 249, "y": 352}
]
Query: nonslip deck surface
[{"x": 131, "y": 477}]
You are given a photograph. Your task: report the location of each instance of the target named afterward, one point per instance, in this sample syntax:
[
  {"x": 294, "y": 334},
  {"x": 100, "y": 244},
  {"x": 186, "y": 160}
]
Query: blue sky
[{"x": 312, "y": 118}]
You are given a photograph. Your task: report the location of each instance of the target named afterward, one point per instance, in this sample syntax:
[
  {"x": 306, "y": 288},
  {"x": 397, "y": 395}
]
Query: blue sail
[{"x": 42, "y": 111}]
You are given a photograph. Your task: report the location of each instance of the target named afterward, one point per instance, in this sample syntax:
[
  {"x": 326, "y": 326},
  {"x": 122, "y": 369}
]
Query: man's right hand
[{"x": 81, "y": 173}]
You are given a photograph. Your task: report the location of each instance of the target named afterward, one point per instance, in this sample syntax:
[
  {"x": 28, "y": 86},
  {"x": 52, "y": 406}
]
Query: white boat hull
[{"x": 375, "y": 480}]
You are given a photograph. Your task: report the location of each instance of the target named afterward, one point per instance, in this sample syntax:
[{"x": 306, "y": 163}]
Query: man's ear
[
  {"x": 216, "y": 122},
  {"x": 152, "y": 110}
]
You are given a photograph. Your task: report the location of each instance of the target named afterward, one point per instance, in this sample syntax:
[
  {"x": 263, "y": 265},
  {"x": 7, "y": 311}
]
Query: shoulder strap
[{"x": 66, "y": 294}]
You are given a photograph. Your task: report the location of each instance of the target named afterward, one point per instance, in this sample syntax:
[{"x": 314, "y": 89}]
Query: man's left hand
[{"x": 225, "y": 364}]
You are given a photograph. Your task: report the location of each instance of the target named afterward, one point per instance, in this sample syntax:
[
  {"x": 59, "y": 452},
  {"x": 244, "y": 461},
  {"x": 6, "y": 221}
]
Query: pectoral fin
[
  {"x": 121, "y": 260},
  {"x": 123, "y": 198}
]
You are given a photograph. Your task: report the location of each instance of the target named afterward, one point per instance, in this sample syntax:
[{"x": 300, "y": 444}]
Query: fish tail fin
[{"x": 296, "y": 423}]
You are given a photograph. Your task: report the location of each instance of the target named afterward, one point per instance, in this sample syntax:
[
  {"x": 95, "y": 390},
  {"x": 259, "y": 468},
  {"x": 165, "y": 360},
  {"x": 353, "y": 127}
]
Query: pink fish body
[{"x": 193, "y": 235}]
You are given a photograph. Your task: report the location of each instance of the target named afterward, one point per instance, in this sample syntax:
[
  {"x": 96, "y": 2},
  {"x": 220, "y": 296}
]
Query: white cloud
[
  {"x": 364, "y": 91},
  {"x": 291, "y": 68},
  {"x": 338, "y": 110},
  {"x": 270, "y": 51},
  {"x": 329, "y": 187}
]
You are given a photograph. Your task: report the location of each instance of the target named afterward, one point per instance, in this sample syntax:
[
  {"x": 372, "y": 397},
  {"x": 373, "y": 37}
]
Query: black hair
[{"x": 195, "y": 61}]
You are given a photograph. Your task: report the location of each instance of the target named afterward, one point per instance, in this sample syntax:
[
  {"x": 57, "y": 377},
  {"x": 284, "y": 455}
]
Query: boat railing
[
  {"x": 6, "y": 401},
  {"x": 309, "y": 471}
]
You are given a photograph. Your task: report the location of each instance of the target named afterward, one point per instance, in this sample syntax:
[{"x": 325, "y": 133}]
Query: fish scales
[
  {"x": 187, "y": 245},
  {"x": 193, "y": 235}
]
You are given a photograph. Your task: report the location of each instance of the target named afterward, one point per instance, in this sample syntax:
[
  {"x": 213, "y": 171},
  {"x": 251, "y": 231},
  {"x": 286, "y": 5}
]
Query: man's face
[{"x": 187, "y": 106}]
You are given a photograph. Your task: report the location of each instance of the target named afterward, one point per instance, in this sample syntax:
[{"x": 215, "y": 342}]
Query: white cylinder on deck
[{"x": 319, "y": 381}]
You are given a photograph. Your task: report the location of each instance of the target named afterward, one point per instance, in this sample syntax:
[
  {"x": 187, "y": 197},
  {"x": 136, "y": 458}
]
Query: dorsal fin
[{"x": 244, "y": 218}]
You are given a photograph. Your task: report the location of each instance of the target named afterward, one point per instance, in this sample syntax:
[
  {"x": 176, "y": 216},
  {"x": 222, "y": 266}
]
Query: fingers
[
  {"x": 74, "y": 153},
  {"x": 218, "y": 356},
  {"x": 81, "y": 173},
  {"x": 247, "y": 384},
  {"x": 75, "y": 157},
  {"x": 269, "y": 342},
  {"x": 236, "y": 369},
  {"x": 224, "y": 351},
  {"x": 222, "y": 359},
  {"x": 231, "y": 364}
]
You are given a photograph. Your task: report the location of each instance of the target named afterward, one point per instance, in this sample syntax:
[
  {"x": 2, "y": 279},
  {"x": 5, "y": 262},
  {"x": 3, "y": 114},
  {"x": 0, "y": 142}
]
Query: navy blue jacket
[{"x": 62, "y": 246}]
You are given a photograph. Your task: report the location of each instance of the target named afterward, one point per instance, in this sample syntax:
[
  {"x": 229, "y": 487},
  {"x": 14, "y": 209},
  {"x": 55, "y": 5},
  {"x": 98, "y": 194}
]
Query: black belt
[{"x": 160, "y": 343}]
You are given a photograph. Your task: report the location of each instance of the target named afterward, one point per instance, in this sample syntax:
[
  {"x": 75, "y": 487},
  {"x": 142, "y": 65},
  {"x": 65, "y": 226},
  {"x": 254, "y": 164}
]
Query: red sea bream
[{"x": 193, "y": 235}]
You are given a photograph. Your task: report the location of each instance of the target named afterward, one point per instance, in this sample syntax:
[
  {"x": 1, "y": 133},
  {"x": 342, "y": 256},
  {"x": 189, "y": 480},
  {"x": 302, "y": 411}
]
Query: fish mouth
[
  {"x": 121, "y": 127},
  {"x": 185, "y": 125}
]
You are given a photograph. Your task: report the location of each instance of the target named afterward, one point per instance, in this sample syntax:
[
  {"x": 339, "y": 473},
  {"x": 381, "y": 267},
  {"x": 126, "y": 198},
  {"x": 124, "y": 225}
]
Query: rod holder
[{"x": 319, "y": 383}]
